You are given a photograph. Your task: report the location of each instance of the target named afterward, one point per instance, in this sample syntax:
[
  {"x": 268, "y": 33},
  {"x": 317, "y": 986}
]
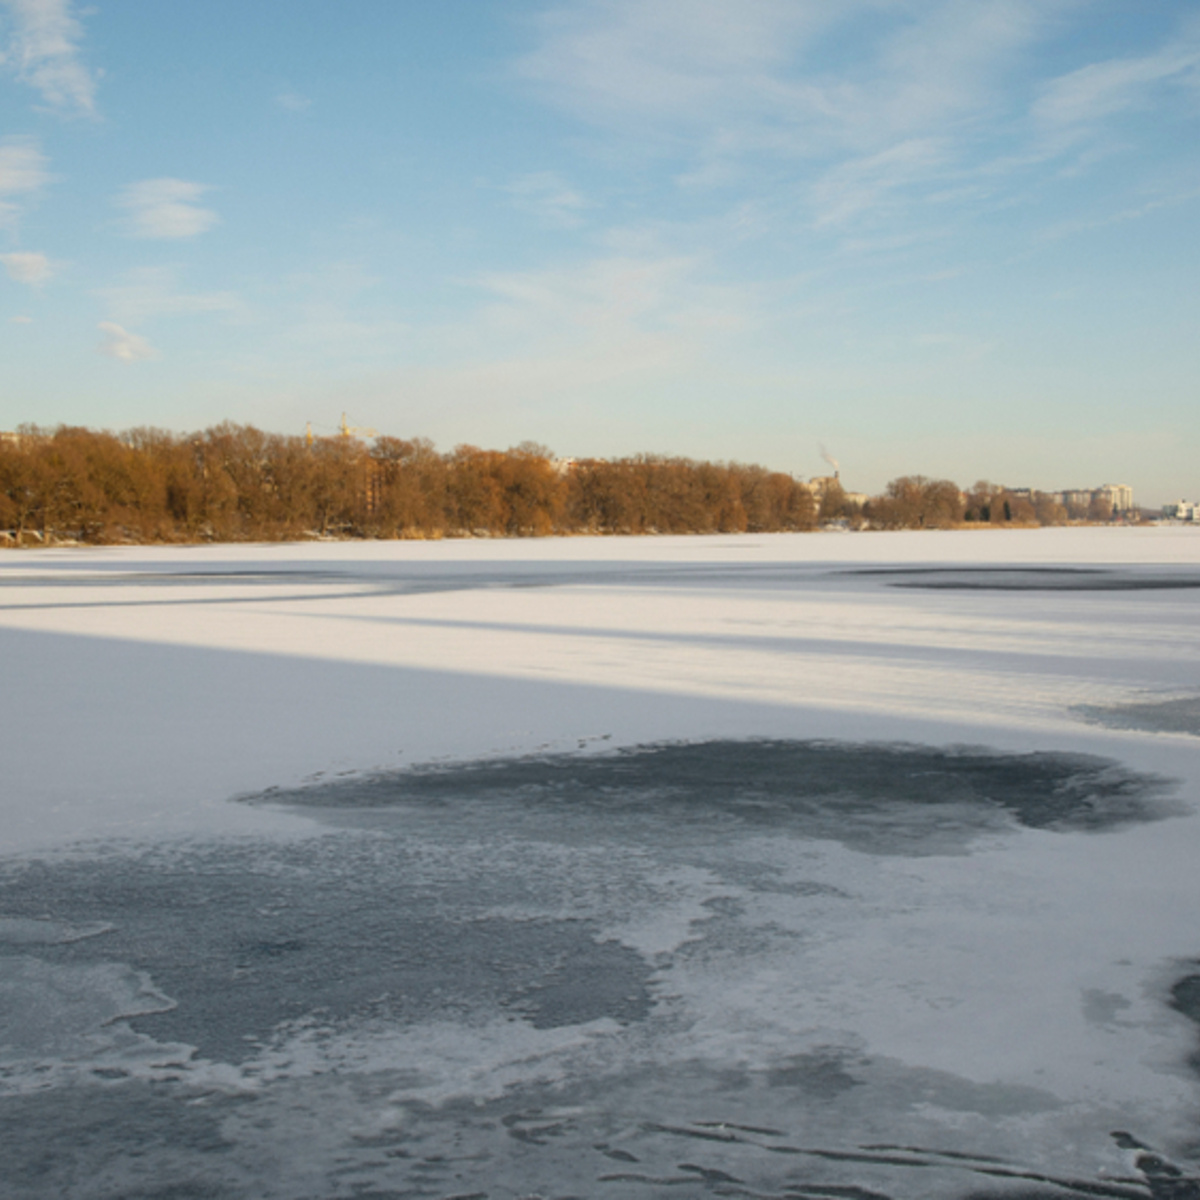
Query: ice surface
[{"x": 602, "y": 867}]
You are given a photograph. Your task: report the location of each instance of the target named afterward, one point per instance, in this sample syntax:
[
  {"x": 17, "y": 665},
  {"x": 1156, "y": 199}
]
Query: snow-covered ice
[{"x": 840, "y": 865}]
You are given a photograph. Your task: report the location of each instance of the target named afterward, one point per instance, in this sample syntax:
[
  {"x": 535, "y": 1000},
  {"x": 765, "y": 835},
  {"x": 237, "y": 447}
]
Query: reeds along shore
[{"x": 237, "y": 483}]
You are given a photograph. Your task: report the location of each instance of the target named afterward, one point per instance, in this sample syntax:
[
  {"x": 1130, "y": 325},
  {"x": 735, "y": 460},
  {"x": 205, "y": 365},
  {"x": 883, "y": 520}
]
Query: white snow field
[{"x": 840, "y": 865}]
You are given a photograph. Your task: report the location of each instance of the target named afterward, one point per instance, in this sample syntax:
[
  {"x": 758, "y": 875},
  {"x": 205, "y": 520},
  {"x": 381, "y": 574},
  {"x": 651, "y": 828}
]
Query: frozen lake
[{"x": 859, "y": 866}]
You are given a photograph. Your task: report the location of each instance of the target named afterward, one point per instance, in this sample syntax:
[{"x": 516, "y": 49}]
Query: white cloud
[
  {"x": 153, "y": 292},
  {"x": 166, "y": 208},
  {"x": 22, "y": 170},
  {"x": 21, "y": 320},
  {"x": 25, "y": 266},
  {"x": 42, "y": 50},
  {"x": 122, "y": 345},
  {"x": 544, "y": 194}
]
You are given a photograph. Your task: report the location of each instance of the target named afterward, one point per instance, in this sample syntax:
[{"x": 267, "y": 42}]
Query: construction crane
[
  {"x": 349, "y": 431},
  {"x": 345, "y": 429}
]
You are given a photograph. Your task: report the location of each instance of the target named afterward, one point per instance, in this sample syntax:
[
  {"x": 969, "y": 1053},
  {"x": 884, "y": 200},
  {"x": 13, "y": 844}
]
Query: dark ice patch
[
  {"x": 61, "y": 1143},
  {"x": 876, "y": 797},
  {"x": 248, "y": 939},
  {"x": 821, "y": 1074},
  {"x": 1103, "y": 1008},
  {"x": 593, "y": 980},
  {"x": 1178, "y": 715},
  {"x": 1185, "y": 999},
  {"x": 1030, "y": 579}
]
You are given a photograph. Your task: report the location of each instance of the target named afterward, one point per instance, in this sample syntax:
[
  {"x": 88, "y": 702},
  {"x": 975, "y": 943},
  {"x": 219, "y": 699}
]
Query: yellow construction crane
[
  {"x": 345, "y": 429},
  {"x": 349, "y": 431}
]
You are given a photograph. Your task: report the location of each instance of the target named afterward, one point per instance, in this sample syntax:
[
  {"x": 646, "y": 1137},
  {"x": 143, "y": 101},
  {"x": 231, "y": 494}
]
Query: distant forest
[{"x": 237, "y": 483}]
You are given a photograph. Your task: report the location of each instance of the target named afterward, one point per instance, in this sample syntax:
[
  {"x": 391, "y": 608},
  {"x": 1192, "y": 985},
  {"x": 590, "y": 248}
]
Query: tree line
[
  {"x": 237, "y": 483},
  {"x": 914, "y": 502}
]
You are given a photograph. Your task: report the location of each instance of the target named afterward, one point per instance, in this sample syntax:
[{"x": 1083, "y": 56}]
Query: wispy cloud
[
  {"x": 768, "y": 87},
  {"x": 860, "y": 184},
  {"x": 122, "y": 345},
  {"x": 1102, "y": 89},
  {"x": 590, "y": 336},
  {"x": 626, "y": 309},
  {"x": 1136, "y": 212},
  {"x": 22, "y": 171},
  {"x": 945, "y": 64},
  {"x": 151, "y": 292},
  {"x": 25, "y": 266},
  {"x": 674, "y": 59},
  {"x": 591, "y": 294},
  {"x": 338, "y": 312},
  {"x": 769, "y": 76},
  {"x": 42, "y": 50},
  {"x": 166, "y": 208},
  {"x": 545, "y": 195}
]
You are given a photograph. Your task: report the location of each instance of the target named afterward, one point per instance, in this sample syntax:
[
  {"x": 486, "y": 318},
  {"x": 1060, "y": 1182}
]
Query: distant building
[
  {"x": 1119, "y": 495},
  {"x": 820, "y": 484},
  {"x": 1077, "y": 497},
  {"x": 9, "y": 439},
  {"x": 1184, "y": 510}
]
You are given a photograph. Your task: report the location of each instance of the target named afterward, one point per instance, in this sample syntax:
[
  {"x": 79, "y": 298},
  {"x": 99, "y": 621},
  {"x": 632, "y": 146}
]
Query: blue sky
[{"x": 953, "y": 237}]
